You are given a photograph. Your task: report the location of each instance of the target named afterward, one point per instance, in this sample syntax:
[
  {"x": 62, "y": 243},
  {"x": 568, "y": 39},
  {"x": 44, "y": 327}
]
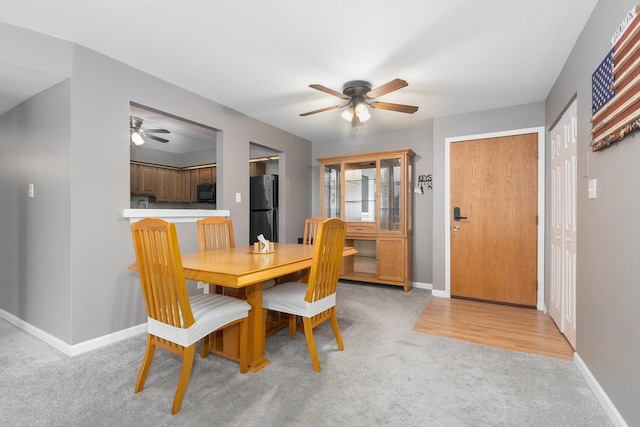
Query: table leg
[{"x": 257, "y": 360}]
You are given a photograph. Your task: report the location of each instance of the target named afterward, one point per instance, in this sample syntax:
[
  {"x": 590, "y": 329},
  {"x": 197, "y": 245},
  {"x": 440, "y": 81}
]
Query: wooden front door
[{"x": 494, "y": 193}]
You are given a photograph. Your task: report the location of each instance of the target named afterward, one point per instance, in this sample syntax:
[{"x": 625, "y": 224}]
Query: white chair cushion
[
  {"x": 210, "y": 311},
  {"x": 289, "y": 298}
]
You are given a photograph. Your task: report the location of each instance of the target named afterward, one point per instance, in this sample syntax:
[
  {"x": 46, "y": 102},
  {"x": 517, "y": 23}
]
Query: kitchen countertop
[{"x": 173, "y": 215}]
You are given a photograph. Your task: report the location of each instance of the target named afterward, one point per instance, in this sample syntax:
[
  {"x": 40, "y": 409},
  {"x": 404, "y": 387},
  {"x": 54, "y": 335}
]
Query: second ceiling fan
[
  {"x": 138, "y": 134},
  {"x": 358, "y": 94}
]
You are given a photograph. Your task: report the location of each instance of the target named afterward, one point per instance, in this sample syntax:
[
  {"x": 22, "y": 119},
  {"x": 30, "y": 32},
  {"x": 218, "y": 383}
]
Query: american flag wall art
[{"x": 615, "y": 86}]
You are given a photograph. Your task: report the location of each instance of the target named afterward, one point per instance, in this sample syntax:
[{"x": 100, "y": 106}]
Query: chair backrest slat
[
  {"x": 311, "y": 229},
  {"x": 327, "y": 257},
  {"x": 161, "y": 274},
  {"x": 215, "y": 233}
]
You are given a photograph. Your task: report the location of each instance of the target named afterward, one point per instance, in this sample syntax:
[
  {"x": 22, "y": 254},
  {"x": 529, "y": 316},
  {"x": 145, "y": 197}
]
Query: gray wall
[
  {"x": 67, "y": 250},
  {"x": 34, "y": 141},
  {"x": 608, "y": 271},
  {"x": 35, "y": 250},
  {"x": 420, "y": 140}
]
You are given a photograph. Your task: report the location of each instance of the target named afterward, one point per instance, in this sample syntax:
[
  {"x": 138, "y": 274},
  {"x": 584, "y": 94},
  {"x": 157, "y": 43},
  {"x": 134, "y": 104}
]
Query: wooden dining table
[{"x": 240, "y": 268}]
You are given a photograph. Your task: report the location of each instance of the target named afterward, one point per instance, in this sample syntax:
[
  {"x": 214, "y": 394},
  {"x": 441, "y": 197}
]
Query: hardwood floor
[{"x": 513, "y": 328}]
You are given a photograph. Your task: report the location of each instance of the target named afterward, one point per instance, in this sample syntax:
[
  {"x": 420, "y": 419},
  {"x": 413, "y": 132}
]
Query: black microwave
[{"x": 207, "y": 193}]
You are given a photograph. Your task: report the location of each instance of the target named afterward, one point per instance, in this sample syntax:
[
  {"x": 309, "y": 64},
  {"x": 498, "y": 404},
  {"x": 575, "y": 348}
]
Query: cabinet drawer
[{"x": 361, "y": 227}]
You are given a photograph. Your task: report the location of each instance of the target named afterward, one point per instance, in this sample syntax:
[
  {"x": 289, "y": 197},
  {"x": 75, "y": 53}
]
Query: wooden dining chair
[
  {"x": 314, "y": 301},
  {"x": 214, "y": 233},
  {"x": 310, "y": 230},
  {"x": 275, "y": 321},
  {"x": 175, "y": 320}
]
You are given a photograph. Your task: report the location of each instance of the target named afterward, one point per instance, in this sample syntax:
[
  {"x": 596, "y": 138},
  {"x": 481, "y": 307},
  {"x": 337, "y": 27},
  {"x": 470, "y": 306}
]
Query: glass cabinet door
[
  {"x": 360, "y": 191},
  {"x": 390, "y": 194},
  {"x": 331, "y": 202}
]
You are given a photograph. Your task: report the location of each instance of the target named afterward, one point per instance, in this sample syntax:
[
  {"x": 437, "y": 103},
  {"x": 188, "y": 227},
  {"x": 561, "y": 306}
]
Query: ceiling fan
[
  {"x": 138, "y": 134},
  {"x": 358, "y": 94}
]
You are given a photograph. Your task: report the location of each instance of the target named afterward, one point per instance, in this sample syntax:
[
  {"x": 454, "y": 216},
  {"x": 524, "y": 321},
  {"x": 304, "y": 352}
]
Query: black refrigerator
[{"x": 263, "y": 205}]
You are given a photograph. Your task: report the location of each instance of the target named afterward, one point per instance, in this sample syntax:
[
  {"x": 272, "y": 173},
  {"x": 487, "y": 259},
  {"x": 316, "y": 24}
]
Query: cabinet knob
[{"x": 358, "y": 228}]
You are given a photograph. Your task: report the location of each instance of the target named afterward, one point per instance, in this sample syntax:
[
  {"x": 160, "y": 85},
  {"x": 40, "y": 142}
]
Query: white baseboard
[
  {"x": 440, "y": 294},
  {"x": 72, "y": 349},
  {"x": 429, "y": 286},
  {"x": 606, "y": 403},
  {"x": 420, "y": 285}
]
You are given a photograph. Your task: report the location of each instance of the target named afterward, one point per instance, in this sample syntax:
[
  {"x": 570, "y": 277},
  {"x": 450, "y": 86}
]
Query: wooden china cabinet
[{"x": 373, "y": 192}]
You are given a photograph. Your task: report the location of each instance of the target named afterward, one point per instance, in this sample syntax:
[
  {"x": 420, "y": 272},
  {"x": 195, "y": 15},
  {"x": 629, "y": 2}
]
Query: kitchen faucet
[{"x": 144, "y": 203}]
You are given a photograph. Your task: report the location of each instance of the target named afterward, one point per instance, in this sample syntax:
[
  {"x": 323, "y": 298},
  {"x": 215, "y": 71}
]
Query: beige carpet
[{"x": 387, "y": 375}]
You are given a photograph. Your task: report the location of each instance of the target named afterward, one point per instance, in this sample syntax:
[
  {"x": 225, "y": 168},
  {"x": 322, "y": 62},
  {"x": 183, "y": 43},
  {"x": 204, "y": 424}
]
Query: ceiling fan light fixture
[
  {"x": 347, "y": 114},
  {"x": 362, "y": 112},
  {"x": 358, "y": 94},
  {"x": 136, "y": 138}
]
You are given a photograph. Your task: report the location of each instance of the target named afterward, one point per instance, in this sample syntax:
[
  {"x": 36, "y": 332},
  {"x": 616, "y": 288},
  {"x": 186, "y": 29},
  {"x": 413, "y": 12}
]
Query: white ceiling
[{"x": 258, "y": 57}]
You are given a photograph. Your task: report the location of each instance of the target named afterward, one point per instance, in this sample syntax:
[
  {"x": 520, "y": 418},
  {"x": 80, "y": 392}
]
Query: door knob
[{"x": 456, "y": 214}]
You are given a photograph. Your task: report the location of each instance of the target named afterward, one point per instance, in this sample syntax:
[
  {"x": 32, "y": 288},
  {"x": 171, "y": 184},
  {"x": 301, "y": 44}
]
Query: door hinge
[{"x": 536, "y": 219}]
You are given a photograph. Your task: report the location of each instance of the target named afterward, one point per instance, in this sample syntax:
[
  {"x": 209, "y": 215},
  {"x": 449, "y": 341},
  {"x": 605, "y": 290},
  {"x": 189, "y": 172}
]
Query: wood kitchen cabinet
[
  {"x": 143, "y": 179},
  {"x": 206, "y": 174},
  {"x": 173, "y": 186},
  {"x": 257, "y": 168},
  {"x": 148, "y": 180},
  {"x": 134, "y": 178},
  {"x": 181, "y": 186},
  {"x": 165, "y": 186},
  {"x": 168, "y": 184},
  {"x": 373, "y": 192}
]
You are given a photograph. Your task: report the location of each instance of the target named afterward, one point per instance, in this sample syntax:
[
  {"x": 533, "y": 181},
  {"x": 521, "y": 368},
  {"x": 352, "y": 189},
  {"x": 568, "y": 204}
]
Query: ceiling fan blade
[
  {"x": 394, "y": 84},
  {"x": 157, "y": 138},
  {"x": 157, "y": 131},
  {"x": 401, "y": 108},
  {"x": 329, "y": 91},
  {"x": 333, "y": 107}
]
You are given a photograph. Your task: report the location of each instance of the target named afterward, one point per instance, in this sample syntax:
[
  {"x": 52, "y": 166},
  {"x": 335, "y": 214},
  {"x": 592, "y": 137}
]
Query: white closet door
[{"x": 562, "y": 298}]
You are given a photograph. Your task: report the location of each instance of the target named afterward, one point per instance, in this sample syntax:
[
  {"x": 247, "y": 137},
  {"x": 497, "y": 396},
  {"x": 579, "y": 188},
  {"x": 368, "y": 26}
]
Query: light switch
[
  {"x": 31, "y": 190},
  {"x": 592, "y": 192},
  {"x": 238, "y": 197}
]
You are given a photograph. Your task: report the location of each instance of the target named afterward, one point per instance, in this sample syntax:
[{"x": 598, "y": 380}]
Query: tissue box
[{"x": 256, "y": 248}]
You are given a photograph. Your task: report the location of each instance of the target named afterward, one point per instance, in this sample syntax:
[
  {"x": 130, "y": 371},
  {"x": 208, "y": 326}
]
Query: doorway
[
  {"x": 264, "y": 189},
  {"x": 499, "y": 148}
]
